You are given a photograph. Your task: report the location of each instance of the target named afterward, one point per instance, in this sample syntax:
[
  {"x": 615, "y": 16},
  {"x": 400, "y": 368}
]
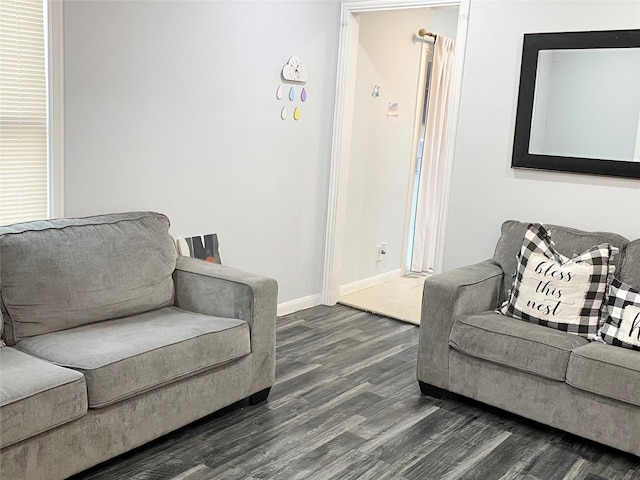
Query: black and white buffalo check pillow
[
  {"x": 622, "y": 325},
  {"x": 552, "y": 290}
]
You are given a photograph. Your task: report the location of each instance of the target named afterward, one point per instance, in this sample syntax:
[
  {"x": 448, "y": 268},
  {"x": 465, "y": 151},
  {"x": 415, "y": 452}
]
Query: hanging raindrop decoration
[{"x": 293, "y": 72}]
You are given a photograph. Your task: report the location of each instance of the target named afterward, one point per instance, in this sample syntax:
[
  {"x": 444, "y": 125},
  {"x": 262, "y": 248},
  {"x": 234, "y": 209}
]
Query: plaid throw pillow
[
  {"x": 552, "y": 290},
  {"x": 622, "y": 326}
]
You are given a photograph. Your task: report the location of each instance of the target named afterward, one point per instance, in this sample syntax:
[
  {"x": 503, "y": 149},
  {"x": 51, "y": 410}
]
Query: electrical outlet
[{"x": 382, "y": 251}]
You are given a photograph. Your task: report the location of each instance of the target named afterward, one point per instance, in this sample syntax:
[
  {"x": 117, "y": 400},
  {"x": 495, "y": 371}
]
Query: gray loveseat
[
  {"x": 587, "y": 388},
  {"x": 113, "y": 340}
]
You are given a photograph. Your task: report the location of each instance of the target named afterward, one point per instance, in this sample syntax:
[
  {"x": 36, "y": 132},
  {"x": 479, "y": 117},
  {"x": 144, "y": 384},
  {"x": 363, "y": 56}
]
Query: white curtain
[{"x": 428, "y": 211}]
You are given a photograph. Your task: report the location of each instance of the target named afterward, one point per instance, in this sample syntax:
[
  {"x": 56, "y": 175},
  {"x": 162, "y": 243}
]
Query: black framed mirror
[{"x": 579, "y": 103}]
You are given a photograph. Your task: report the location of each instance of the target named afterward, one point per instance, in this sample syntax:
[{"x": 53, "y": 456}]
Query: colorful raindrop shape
[
  {"x": 303, "y": 95},
  {"x": 296, "y": 114},
  {"x": 283, "y": 113},
  {"x": 292, "y": 94},
  {"x": 279, "y": 92}
]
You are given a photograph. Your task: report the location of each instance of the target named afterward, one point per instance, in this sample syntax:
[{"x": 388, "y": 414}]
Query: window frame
[{"x": 55, "y": 86}]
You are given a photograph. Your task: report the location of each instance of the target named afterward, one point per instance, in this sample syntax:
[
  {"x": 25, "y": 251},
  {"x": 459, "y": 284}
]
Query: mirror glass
[{"x": 587, "y": 104}]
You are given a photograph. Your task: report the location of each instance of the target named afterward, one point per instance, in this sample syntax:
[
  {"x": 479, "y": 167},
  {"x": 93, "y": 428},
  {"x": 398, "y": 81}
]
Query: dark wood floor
[{"x": 346, "y": 405}]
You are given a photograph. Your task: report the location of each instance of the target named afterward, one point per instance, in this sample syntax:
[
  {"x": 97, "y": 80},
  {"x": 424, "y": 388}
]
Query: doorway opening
[{"x": 363, "y": 216}]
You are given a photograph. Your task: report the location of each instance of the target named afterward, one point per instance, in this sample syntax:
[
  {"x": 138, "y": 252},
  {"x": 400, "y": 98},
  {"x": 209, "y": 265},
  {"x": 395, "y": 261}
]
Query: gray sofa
[
  {"x": 587, "y": 388},
  {"x": 113, "y": 340}
]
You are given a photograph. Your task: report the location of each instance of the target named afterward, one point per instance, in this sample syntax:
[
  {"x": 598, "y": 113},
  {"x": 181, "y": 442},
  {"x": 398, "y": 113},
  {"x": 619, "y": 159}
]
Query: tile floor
[{"x": 400, "y": 299}]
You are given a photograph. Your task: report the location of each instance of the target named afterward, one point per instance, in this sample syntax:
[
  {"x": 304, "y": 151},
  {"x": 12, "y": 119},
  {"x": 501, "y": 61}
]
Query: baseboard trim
[
  {"x": 370, "y": 282},
  {"x": 298, "y": 304}
]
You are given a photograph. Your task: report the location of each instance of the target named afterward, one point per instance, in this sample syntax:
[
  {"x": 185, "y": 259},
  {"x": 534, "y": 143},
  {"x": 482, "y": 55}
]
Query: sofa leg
[
  {"x": 259, "y": 397},
  {"x": 431, "y": 390}
]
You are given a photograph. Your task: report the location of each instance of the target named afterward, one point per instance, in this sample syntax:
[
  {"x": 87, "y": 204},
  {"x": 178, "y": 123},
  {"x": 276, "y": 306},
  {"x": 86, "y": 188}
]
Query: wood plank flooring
[{"x": 346, "y": 405}]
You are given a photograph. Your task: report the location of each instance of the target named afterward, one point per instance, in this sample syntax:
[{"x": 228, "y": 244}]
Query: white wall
[
  {"x": 170, "y": 106},
  {"x": 381, "y": 146},
  {"x": 485, "y": 190}
]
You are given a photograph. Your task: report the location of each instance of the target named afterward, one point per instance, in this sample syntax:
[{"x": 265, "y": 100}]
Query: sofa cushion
[
  {"x": 567, "y": 241},
  {"x": 36, "y": 396},
  {"x": 606, "y": 370},
  {"x": 514, "y": 343},
  {"x": 552, "y": 290},
  {"x": 64, "y": 273},
  {"x": 124, "y": 357},
  {"x": 629, "y": 272},
  {"x": 622, "y": 325}
]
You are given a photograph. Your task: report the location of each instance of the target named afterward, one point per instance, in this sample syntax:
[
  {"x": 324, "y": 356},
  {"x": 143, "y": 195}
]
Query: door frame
[{"x": 343, "y": 111}]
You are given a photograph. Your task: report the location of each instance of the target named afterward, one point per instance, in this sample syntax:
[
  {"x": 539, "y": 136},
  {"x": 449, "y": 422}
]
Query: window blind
[{"x": 24, "y": 162}]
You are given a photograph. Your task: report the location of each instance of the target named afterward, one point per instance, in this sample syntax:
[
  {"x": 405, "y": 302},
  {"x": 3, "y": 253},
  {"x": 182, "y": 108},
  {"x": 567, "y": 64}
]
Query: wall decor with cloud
[{"x": 293, "y": 71}]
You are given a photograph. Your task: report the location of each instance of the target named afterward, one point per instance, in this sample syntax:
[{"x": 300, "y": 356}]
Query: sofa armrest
[
  {"x": 475, "y": 288},
  {"x": 222, "y": 291}
]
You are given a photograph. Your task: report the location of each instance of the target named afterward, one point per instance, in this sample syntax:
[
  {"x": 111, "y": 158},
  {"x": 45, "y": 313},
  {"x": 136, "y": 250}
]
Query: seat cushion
[
  {"x": 124, "y": 357},
  {"x": 514, "y": 343},
  {"x": 36, "y": 396},
  {"x": 606, "y": 370},
  {"x": 64, "y": 273}
]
